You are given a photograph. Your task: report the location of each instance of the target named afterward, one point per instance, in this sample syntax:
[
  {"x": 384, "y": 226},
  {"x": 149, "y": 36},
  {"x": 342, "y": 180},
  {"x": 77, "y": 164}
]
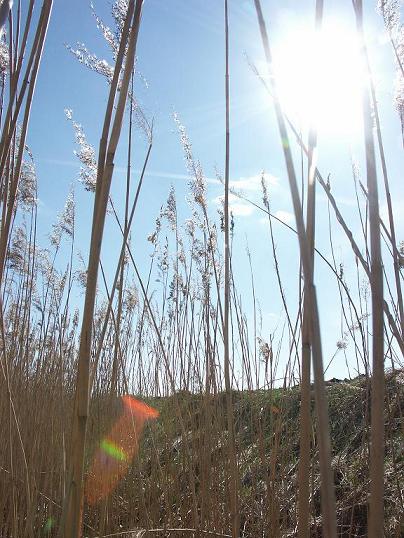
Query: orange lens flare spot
[
  {"x": 139, "y": 408},
  {"x": 116, "y": 451}
]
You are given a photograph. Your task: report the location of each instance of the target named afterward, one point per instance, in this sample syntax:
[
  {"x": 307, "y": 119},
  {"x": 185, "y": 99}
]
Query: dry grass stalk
[
  {"x": 165, "y": 342},
  {"x": 392, "y": 234},
  {"x": 305, "y": 414},
  {"x": 125, "y": 234},
  {"x": 328, "y": 496},
  {"x": 226, "y": 334},
  {"x": 354, "y": 245},
  {"x": 71, "y": 523},
  {"x": 12, "y": 116},
  {"x": 376, "y": 512}
]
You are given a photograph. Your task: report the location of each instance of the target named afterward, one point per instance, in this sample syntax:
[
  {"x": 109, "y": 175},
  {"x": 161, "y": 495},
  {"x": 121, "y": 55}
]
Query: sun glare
[{"x": 320, "y": 78}]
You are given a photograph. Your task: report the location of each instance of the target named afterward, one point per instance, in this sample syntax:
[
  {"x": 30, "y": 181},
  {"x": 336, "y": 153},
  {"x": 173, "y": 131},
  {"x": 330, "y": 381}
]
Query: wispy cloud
[
  {"x": 169, "y": 175},
  {"x": 253, "y": 183},
  {"x": 59, "y": 162},
  {"x": 149, "y": 173},
  {"x": 250, "y": 185},
  {"x": 284, "y": 216},
  {"x": 241, "y": 210},
  {"x": 238, "y": 207}
]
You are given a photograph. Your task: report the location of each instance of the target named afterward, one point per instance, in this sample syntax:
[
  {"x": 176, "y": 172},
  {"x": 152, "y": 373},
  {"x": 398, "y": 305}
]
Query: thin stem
[
  {"x": 376, "y": 512},
  {"x": 327, "y": 482},
  {"x": 229, "y": 402}
]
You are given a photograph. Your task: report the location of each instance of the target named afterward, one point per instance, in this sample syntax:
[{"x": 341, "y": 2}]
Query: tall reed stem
[
  {"x": 327, "y": 482},
  {"x": 72, "y": 515},
  {"x": 305, "y": 415},
  {"x": 376, "y": 503},
  {"x": 10, "y": 124},
  {"x": 229, "y": 402}
]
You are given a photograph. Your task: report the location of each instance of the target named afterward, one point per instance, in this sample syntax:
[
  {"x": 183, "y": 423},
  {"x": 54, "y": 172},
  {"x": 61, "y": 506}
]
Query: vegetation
[{"x": 246, "y": 443}]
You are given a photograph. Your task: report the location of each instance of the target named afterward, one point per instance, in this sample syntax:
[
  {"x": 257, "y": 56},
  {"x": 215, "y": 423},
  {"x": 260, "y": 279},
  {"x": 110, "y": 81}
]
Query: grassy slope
[{"x": 174, "y": 469}]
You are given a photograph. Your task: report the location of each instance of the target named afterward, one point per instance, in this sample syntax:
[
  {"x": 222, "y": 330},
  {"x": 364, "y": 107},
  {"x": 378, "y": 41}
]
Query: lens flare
[
  {"x": 49, "y": 524},
  {"x": 117, "y": 450},
  {"x": 142, "y": 410},
  {"x": 112, "y": 450},
  {"x": 320, "y": 76}
]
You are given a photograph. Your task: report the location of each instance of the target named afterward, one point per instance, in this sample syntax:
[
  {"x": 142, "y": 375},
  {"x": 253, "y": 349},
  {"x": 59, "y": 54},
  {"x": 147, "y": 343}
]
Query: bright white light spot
[{"x": 320, "y": 77}]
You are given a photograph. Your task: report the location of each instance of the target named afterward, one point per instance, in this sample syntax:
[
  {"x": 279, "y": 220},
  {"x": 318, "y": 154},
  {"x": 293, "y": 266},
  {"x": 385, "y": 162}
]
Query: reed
[{"x": 246, "y": 444}]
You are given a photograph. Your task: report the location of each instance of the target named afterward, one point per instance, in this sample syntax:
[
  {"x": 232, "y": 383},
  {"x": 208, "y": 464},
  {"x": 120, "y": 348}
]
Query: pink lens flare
[{"x": 117, "y": 450}]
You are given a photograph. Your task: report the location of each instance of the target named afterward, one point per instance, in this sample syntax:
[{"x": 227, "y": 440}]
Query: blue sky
[{"x": 181, "y": 56}]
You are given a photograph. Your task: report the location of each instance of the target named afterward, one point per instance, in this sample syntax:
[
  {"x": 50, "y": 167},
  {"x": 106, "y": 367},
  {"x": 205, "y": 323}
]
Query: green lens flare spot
[
  {"x": 49, "y": 524},
  {"x": 113, "y": 450}
]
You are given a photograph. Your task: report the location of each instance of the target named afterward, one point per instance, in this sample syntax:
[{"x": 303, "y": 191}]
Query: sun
[{"x": 320, "y": 78}]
